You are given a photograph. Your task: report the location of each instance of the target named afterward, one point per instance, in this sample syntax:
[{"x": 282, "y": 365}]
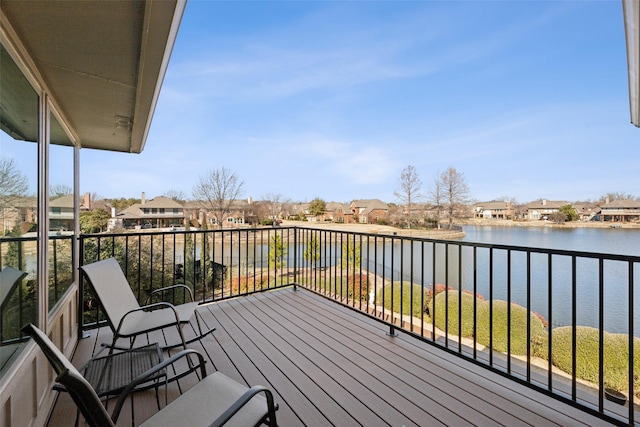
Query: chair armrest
[
  {"x": 145, "y": 308},
  {"x": 149, "y": 373},
  {"x": 167, "y": 288},
  {"x": 243, "y": 400}
]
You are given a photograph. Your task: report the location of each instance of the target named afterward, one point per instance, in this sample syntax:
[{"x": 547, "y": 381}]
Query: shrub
[
  {"x": 358, "y": 287},
  {"x": 403, "y": 290},
  {"x": 244, "y": 284},
  {"x": 500, "y": 326},
  {"x": 616, "y": 356},
  {"x": 518, "y": 329},
  {"x": 447, "y": 318}
]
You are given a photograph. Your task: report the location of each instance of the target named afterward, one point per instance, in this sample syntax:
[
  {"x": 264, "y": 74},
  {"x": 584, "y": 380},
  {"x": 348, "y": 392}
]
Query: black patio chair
[{"x": 216, "y": 400}]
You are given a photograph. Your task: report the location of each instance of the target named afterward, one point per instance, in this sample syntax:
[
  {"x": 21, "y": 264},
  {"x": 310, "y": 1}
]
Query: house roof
[
  {"x": 546, "y": 204},
  {"x": 135, "y": 211},
  {"x": 622, "y": 204},
  {"x": 62, "y": 202},
  {"x": 494, "y": 205},
  {"x": 333, "y": 206},
  {"x": 161, "y": 202},
  {"x": 102, "y": 61}
]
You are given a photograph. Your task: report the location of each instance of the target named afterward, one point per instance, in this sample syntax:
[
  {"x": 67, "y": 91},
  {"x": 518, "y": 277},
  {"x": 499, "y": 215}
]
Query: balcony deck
[{"x": 329, "y": 365}]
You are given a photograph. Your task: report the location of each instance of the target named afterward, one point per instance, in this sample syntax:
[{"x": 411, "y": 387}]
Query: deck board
[{"x": 329, "y": 365}]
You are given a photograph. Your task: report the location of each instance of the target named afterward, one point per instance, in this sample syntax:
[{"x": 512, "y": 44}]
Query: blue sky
[{"x": 333, "y": 99}]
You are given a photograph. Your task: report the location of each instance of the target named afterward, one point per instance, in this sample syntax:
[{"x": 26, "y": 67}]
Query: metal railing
[
  {"x": 20, "y": 306},
  {"x": 561, "y": 322}
]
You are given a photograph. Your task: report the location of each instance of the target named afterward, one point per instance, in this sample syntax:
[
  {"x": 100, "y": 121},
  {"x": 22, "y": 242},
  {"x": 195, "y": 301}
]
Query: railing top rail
[{"x": 550, "y": 251}]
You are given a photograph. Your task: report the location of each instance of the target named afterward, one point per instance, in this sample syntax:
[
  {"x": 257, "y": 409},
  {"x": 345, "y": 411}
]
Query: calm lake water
[
  {"x": 603, "y": 240},
  {"x": 600, "y": 240}
]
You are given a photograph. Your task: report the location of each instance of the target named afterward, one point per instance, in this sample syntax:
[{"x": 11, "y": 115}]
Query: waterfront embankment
[{"x": 379, "y": 229}]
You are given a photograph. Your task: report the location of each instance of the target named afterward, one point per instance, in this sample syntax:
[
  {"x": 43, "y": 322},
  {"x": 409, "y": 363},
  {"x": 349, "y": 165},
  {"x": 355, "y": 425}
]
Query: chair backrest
[
  {"x": 9, "y": 280},
  {"x": 111, "y": 288},
  {"x": 80, "y": 390}
]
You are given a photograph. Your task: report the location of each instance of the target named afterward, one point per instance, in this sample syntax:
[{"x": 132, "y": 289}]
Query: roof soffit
[{"x": 102, "y": 61}]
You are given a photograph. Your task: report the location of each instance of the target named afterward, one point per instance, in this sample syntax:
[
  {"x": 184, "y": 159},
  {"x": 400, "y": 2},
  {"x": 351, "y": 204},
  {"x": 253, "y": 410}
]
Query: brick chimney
[
  {"x": 87, "y": 201},
  {"x": 143, "y": 199}
]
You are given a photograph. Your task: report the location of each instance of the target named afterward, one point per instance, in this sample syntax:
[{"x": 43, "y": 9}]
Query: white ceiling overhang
[
  {"x": 102, "y": 61},
  {"x": 631, "y": 11}
]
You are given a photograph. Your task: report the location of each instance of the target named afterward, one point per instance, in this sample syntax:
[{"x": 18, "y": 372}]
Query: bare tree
[
  {"x": 273, "y": 202},
  {"x": 455, "y": 192},
  {"x": 618, "y": 195},
  {"x": 176, "y": 195},
  {"x": 436, "y": 197},
  {"x": 13, "y": 186},
  {"x": 217, "y": 191},
  {"x": 409, "y": 192},
  {"x": 59, "y": 190}
]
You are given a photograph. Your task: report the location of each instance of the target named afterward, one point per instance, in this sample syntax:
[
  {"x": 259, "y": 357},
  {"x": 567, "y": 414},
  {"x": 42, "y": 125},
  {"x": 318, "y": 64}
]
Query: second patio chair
[
  {"x": 126, "y": 317},
  {"x": 215, "y": 401},
  {"x": 9, "y": 280}
]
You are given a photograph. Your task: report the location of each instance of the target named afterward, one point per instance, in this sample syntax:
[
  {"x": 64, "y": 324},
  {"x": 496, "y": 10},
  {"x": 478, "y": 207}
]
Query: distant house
[
  {"x": 587, "y": 211},
  {"x": 369, "y": 211},
  {"x": 160, "y": 212},
  {"x": 239, "y": 212},
  {"x": 541, "y": 209},
  {"x": 620, "y": 211},
  {"x": 493, "y": 210},
  {"x": 61, "y": 216},
  {"x": 338, "y": 212},
  {"x": 19, "y": 211}
]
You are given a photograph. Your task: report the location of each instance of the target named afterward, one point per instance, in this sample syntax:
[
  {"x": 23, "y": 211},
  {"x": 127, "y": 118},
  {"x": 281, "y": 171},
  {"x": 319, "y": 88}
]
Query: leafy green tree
[
  {"x": 277, "y": 252},
  {"x": 312, "y": 251},
  {"x": 569, "y": 212},
  {"x": 94, "y": 221},
  {"x": 317, "y": 207}
]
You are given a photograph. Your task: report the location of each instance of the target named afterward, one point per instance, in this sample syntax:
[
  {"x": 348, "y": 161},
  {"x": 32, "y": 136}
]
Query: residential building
[
  {"x": 587, "y": 211},
  {"x": 541, "y": 209},
  {"x": 160, "y": 212},
  {"x": 620, "y": 211},
  {"x": 338, "y": 212},
  {"x": 22, "y": 211},
  {"x": 369, "y": 211},
  {"x": 61, "y": 213},
  {"x": 496, "y": 209}
]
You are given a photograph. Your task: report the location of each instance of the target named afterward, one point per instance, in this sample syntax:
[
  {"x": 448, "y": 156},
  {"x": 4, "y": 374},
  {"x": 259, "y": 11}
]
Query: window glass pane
[
  {"x": 61, "y": 213},
  {"x": 18, "y": 207}
]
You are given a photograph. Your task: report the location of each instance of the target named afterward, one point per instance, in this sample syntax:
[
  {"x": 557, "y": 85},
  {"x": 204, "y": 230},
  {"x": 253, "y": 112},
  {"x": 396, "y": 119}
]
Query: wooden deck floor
[{"x": 329, "y": 365}]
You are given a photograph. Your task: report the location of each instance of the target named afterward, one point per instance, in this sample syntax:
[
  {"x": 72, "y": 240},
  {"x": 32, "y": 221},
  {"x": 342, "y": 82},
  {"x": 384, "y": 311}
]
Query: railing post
[
  {"x": 81, "y": 334},
  {"x": 392, "y": 331},
  {"x": 295, "y": 258}
]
